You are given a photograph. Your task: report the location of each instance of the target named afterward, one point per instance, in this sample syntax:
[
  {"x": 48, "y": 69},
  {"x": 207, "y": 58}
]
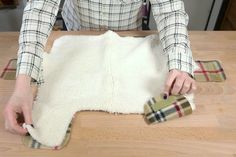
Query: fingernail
[
  {"x": 32, "y": 125},
  {"x": 165, "y": 96}
]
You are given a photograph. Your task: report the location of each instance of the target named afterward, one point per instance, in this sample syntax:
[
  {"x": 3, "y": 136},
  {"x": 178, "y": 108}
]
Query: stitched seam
[
  {"x": 111, "y": 69},
  {"x": 107, "y": 53}
]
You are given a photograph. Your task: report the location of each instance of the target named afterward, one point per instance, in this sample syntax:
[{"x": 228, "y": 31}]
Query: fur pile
[{"x": 105, "y": 72}]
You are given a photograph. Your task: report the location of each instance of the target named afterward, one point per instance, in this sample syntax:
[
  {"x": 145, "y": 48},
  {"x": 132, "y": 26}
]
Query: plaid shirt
[{"x": 39, "y": 17}]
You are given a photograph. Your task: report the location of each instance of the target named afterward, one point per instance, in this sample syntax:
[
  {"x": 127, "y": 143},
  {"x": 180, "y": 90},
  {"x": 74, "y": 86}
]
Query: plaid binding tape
[
  {"x": 158, "y": 110},
  {"x": 9, "y": 72},
  {"x": 210, "y": 71},
  {"x": 28, "y": 141}
]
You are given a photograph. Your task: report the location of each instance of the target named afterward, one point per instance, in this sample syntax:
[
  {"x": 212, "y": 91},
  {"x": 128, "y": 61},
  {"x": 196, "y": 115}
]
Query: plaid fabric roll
[
  {"x": 158, "y": 110},
  {"x": 210, "y": 71}
]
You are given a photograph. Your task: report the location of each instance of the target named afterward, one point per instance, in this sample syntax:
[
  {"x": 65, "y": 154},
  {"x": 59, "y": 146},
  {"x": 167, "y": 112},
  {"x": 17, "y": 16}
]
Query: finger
[
  {"x": 186, "y": 87},
  {"x": 193, "y": 88},
  {"x": 8, "y": 128},
  {"x": 169, "y": 82},
  {"x": 177, "y": 85},
  {"x": 13, "y": 126},
  {"x": 27, "y": 114},
  {"x": 19, "y": 130}
]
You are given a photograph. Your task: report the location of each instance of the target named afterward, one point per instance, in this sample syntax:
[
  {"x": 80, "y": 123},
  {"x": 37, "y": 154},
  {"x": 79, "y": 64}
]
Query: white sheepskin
[{"x": 105, "y": 72}]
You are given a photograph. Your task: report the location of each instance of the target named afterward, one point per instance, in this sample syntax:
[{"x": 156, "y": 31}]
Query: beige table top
[{"x": 210, "y": 131}]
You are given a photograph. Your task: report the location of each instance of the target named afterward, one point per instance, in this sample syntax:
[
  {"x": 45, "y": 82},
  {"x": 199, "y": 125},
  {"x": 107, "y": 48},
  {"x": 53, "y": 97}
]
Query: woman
[{"x": 39, "y": 17}]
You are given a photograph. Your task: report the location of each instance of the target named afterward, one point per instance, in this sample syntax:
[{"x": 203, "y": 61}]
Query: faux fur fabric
[{"x": 105, "y": 72}]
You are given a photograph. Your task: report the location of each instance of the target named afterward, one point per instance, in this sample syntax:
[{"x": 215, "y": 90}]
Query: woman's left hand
[{"x": 179, "y": 82}]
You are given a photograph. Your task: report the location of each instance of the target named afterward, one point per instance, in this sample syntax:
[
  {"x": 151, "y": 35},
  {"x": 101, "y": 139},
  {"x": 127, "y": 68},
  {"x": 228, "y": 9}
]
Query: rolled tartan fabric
[{"x": 158, "y": 110}]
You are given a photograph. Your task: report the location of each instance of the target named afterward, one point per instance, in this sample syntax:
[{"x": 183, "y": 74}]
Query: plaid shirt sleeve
[
  {"x": 38, "y": 19},
  {"x": 172, "y": 21}
]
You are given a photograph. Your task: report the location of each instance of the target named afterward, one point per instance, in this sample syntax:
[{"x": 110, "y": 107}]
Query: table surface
[{"x": 209, "y": 131}]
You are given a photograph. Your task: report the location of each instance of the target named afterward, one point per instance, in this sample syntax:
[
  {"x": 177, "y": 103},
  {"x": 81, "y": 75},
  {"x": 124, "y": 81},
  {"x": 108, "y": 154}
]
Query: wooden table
[{"x": 210, "y": 131}]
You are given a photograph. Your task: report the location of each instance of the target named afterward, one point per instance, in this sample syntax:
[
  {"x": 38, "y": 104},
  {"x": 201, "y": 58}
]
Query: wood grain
[{"x": 210, "y": 131}]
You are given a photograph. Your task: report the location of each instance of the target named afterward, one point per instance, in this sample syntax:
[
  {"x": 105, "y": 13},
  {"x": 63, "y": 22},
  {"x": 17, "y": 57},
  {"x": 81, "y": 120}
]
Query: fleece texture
[{"x": 106, "y": 72}]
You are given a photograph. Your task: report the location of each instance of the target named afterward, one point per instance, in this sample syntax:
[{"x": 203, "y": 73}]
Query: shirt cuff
[
  {"x": 29, "y": 64},
  {"x": 181, "y": 59}
]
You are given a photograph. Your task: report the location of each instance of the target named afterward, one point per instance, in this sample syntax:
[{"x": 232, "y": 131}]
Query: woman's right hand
[{"x": 19, "y": 105}]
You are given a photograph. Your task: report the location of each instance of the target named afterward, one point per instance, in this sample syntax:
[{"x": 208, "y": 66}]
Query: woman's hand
[
  {"x": 179, "y": 82},
  {"x": 19, "y": 106}
]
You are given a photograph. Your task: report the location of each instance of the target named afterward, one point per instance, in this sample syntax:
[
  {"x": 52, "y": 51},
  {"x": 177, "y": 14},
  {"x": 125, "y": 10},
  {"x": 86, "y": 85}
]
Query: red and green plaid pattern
[
  {"x": 28, "y": 141},
  {"x": 9, "y": 72},
  {"x": 158, "y": 110},
  {"x": 210, "y": 71}
]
